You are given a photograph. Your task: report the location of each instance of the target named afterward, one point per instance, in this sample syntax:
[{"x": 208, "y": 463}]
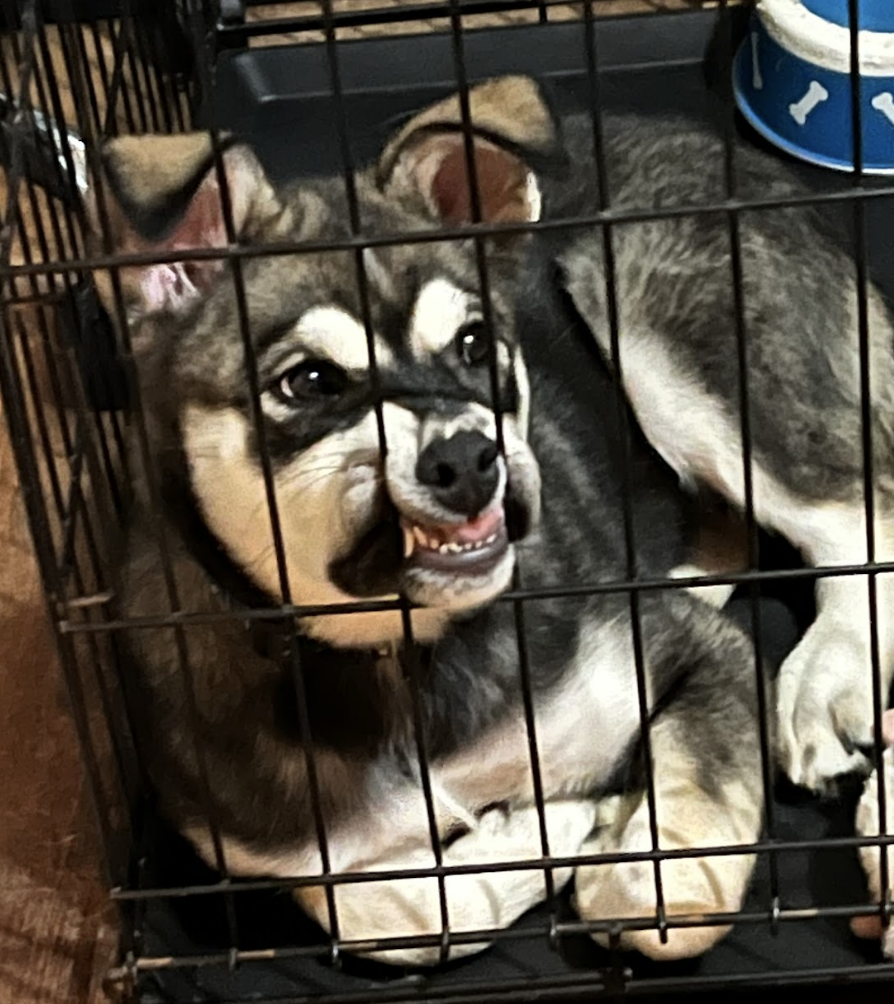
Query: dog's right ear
[
  {"x": 160, "y": 194},
  {"x": 515, "y": 137}
]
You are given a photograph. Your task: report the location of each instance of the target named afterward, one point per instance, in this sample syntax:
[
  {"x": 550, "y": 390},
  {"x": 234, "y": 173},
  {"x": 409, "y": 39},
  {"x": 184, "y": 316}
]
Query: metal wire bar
[
  {"x": 429, "y": 236},
  {"x": 764, "y": 710},
  {"x": 510, "y": 596},
  {"x": 403, "y": 14},
  {"x": 523, "y": 933},
  {"x": 574, "y": 987},
  {"x": 611, "y": 295},
  {"x": 483, "y": 277},
  {"x": 46, "y": 82},
  {"x": 259, "y": 429},
  {"x": 532, "y": 864},
  {"x": 115, "y": 88},
  {"x": 866, "y": 420}
]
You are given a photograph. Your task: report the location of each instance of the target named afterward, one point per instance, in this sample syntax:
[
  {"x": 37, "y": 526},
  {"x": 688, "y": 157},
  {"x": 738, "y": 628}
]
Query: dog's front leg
[{"x": 400, "y": 908}]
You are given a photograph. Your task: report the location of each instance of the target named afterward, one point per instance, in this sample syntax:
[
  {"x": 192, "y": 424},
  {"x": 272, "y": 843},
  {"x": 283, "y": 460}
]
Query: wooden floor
[{"x": 56, "y": 937}]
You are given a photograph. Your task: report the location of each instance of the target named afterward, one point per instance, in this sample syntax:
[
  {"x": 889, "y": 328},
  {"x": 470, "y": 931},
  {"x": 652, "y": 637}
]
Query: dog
[{"x": 335, "y": 709}]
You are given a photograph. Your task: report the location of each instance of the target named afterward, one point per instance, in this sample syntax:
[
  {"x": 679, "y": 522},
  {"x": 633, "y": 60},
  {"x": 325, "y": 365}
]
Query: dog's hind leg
[{"x": 707, "y": 781}]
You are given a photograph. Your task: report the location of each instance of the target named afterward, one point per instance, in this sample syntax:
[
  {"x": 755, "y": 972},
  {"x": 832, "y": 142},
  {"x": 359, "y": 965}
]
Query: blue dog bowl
[{"x": 792, "y": 80}]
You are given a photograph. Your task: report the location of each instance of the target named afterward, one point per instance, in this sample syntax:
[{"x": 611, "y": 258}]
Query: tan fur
[
  {"x": 688, "y": 817},
  {"x": 510, "y": 107},
  {"x": 150, "y": 169}
]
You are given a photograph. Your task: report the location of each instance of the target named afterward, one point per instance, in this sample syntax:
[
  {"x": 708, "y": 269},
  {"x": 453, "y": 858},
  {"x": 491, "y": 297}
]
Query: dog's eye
[
  {"x": 313, "y": 379},
  {"x": 471, "y": 343}
]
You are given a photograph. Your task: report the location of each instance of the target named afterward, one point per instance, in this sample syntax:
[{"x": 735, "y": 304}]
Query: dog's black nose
[{"x": 461, "y": 471}]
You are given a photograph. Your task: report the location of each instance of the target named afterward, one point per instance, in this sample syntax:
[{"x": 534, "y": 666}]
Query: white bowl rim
[{"x": 824, "y": 43}]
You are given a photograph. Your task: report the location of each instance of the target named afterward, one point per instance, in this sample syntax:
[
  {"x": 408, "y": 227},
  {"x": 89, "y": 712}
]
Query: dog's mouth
[
  {"x": 468, "y": 548},
  {"x": 404, "y": 550}
]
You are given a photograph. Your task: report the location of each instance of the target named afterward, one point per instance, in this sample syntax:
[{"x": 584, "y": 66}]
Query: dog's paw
[
  {"x": 867, "y": 825},
  {"x": 691, "y": 887},
  {"x": 824, "y": 706},
  {"x": 369, "y": 912}
]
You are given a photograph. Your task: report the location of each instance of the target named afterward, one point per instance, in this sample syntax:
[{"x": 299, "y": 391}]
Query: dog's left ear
[{"x": 514, "y": 134}]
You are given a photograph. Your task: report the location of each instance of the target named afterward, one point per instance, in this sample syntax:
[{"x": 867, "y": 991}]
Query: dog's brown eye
[
  {"x": 313, "y": 379},
  {"x": 471, "y": 343}
]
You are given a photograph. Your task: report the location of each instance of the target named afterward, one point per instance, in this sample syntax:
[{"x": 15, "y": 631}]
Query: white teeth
[{"x": 415, "y": 536}]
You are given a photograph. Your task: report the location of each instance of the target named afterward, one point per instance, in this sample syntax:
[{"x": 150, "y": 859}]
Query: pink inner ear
[
  {"x": 502, "y": 186},
  {"x": 174, "y": 286},
  {"x": 203, "y": 224}
]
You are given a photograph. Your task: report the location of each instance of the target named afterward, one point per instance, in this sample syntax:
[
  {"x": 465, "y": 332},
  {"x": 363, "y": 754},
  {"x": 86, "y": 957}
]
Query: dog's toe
[{"x": 825, "y": 709}]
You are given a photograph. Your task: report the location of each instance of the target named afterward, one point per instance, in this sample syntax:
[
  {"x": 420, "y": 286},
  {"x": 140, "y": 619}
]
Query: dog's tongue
[{"x": 479, "y": 528}]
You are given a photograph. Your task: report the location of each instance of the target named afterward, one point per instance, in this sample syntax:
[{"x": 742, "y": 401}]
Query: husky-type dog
[{"x": 469, "y": 498}]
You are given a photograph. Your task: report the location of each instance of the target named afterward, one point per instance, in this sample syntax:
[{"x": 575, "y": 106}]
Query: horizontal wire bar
[
  {"x": 284, "y": 611},
  {"x": 377, "y": 16},
  {"x": 529, "y": 864},
  {"x": 430, "y": 236},
  {"x": 574, "y": 986},
  {"x": 484, "y": 935}
]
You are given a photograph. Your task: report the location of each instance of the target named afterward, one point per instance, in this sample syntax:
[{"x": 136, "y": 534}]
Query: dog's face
[{"x": 436, "y": 517}]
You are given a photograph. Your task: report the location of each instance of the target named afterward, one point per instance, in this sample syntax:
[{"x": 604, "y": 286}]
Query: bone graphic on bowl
[
  {"x": 884, "y": 103},
  {"x": 756, "y": 79},
  {"x": 815, "y": 95}
]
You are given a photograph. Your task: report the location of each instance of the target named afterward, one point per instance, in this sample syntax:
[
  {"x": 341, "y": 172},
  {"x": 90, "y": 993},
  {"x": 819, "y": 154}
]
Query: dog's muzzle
[{"x": 463, "y": 476}]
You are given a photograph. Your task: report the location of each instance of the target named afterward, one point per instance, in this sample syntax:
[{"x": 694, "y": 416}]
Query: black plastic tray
[{"x": 280, "y": 100}]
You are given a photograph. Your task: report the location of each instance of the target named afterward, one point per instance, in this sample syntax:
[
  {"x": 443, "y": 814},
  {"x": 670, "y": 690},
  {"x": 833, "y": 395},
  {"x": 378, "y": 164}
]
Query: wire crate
[{"x": 317, "y": 89}]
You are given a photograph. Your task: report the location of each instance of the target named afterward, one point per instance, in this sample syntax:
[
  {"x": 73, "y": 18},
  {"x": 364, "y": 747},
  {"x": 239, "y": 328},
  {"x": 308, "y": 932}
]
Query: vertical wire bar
[
  {"x": 410, "y": 661},
  {"x": 144, "y": 81},
  {"x": 236, "y": 269},
  {"x": 46, "y": 83},
  {"x": 78, "y": 33},
  {"x": 128, "y": 59},
  {"x": 155, "y": 80},
  {"x": 116, "y": 86},
  {"x": 99, "y": 50},
  {"x": 741, "y": 331},
  {"x": 43, "y": 435},
  {"x": 866, "y": 418},
  {"x": 462, "y": 81},
  {"x": 594, "y": 90}
]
